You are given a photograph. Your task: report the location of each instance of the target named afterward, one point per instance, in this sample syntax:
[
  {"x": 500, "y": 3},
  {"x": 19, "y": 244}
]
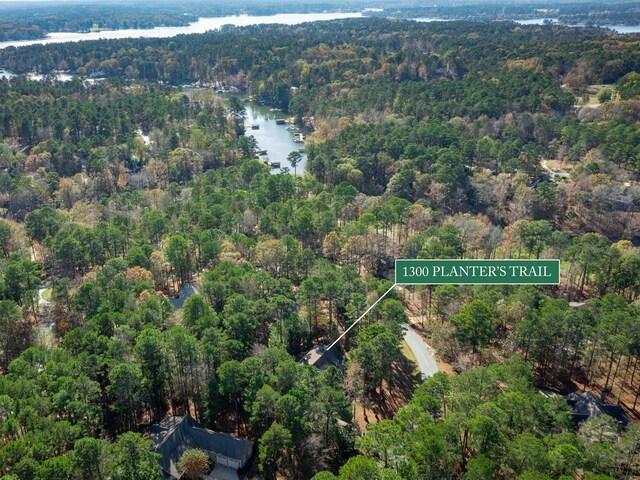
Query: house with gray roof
[
  {"x": 185, "y": 292},
  {"x": 321, "y": 357},
  {"x": 585, "y": 405},
  {"x": 174, "y": 435}
]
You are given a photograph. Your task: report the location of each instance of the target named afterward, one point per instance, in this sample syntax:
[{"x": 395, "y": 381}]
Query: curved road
[
  {"x": 424, "y": 356},
  {"x": 41, "y": 299}
]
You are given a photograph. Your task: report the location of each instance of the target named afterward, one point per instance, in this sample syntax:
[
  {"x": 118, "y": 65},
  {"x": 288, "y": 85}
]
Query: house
[
  {"x": 174, "y": 435},
  {"x": 585, "y": 405},
  {"x": 185, "y": 292},
  {"x": 322, "y": 358}
]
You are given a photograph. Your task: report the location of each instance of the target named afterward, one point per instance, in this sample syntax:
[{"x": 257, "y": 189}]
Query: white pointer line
[{"x": 361, "y": 316}]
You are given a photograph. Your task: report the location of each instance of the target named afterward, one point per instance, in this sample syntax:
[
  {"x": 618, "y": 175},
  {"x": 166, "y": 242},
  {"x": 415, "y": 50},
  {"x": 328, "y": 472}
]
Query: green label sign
[{"x": 481, "y": 272}]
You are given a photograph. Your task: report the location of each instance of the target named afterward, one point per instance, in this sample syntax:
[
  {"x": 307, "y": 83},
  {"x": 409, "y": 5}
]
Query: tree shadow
[{"x": 396, "y": 393}]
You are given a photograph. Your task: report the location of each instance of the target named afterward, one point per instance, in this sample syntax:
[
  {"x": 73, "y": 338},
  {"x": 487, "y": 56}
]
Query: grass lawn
[
  {"x": 46, "y": 294},
  {"x": 407, "y": 352}
]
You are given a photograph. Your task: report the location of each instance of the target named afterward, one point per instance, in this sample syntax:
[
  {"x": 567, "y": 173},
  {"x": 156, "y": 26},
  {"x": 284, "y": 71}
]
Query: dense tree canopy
[{"x": 448, "y": 140}]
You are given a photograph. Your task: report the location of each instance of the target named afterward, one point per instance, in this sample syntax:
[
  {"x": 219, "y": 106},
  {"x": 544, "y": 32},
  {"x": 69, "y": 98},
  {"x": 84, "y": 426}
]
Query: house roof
[
  {"x": 185, "y": 292},
  {"x": 586, "y": 405},
  {"x": 175, "y": 435},
  {"x": 321, "y": 358}
]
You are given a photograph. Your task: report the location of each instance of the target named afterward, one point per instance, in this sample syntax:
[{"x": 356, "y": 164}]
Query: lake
[
  {"x": 274, "y": 138},
  {"x": 624, "y": 28},
  {"x": 201, "y": 26},
  {"x": 60, "y": 76},
  {"x": 616, "y": 28},
  {"x": 429, "y": 19},
  {"x": 207, "y": 24},
  {"x": 536, "y": 21},
  {"x": 541, "y": 21}
]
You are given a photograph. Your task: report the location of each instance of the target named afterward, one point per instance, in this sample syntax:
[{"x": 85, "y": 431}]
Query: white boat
[{"x": 298, "y": 138}]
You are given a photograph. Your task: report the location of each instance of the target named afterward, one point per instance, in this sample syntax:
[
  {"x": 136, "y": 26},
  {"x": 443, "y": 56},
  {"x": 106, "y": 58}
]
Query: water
[
  {"x": 429, "y": 19},
  {"x": 615, "y": 28},
  {"x": 274, "y": 138},
  {"x": 59, "y": 76},
  {"x": 624, "y": 28},
  {"x": 542, "y": 21},
  {"x": 536, "y": 21},
  {"x": 201, "y": 26},
  {"x": 206, "y": 24}
]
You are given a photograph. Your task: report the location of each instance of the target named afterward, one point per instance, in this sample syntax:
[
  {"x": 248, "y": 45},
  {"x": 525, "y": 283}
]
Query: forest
[
  {"x": 444, "y": 140},
  {"x": 31, "y": 22},
  {"x": 25, "y": 22},
  {"x": 567, "y": 13}
]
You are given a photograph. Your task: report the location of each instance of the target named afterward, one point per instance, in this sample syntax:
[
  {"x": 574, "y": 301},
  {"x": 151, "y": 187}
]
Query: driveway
[
  {"x": 552, "y": 173},
  {"x": 424, "y": 356},
  {"x": 223, "y": 473}
]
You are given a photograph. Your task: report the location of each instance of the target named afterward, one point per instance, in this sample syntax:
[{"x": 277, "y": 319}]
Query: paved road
[
  {"x": 422, "y": 351},
  {"x": 41, "y": 300},
  {"x": 223, "y": 473}
]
